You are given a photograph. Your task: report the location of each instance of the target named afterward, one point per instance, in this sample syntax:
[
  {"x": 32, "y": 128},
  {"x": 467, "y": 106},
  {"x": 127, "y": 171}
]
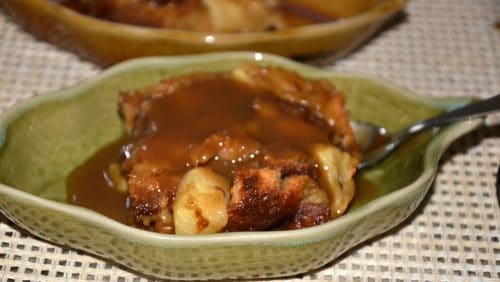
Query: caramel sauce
[
  {"x": 365, "y": 191},
  {"x": 177, "y": 123},
  {"x": 89, "y": 186},
  {"x": 185, "y": 119}
]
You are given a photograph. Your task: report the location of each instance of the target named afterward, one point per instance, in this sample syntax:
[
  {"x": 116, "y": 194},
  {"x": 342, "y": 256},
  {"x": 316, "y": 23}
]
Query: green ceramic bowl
[
  {"x": 104, "y": 41},
  {"x": 43, "y": 139}
]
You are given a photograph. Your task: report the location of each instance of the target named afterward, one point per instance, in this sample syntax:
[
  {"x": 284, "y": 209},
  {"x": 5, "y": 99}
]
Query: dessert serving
[
  {"x": 99, "y": 30},
  {"x": 205, "y": 15},
  {"x": 257, "y": 148}
]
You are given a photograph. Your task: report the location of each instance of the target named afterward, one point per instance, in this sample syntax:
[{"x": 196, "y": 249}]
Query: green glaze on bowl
[
  {"x": 46, "y": 137},
  {"x": 104, "y": 42}
]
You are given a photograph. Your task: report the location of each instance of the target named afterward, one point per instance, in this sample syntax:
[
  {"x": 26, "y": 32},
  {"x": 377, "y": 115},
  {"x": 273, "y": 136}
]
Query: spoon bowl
[{"x": 376, "y": 143}]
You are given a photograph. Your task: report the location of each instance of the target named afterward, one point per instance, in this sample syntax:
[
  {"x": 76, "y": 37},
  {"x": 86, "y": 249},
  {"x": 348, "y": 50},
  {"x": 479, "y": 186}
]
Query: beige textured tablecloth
[{"x": 439, "y": 48}]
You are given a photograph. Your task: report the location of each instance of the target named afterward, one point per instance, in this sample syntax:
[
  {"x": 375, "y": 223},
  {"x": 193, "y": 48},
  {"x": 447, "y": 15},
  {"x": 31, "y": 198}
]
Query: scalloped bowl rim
[
  {"x": 432, "y": 155},
  {"x": 221, "y": 38}
]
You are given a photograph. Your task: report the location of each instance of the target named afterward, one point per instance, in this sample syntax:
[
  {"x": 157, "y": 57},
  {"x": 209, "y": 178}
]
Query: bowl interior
[{"x": 45, "y": 139}]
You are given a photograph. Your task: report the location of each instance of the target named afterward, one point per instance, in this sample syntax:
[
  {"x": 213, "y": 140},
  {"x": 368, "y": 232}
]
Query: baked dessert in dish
[
  {"x": 257, "y": 148},
  {"x": 204, "y": 15},
  {"x": 98, "y": 30},
  {"x": 260, "y": 148}
]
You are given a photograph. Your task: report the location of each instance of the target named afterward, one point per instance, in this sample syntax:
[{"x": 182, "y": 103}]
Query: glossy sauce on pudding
[{"x": 177, "y": 124}]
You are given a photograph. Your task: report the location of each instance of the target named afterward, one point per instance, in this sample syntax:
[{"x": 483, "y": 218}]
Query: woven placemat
[{"x": 438, "y": 48}]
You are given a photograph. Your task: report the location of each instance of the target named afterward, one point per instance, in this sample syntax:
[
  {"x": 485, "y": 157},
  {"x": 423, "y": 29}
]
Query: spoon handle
[{"x": 477, "y": 109}]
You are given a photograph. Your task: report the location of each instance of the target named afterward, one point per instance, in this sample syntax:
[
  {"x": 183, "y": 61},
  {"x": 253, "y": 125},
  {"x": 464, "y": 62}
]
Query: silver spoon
[{"x": 366, "y": 133}]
